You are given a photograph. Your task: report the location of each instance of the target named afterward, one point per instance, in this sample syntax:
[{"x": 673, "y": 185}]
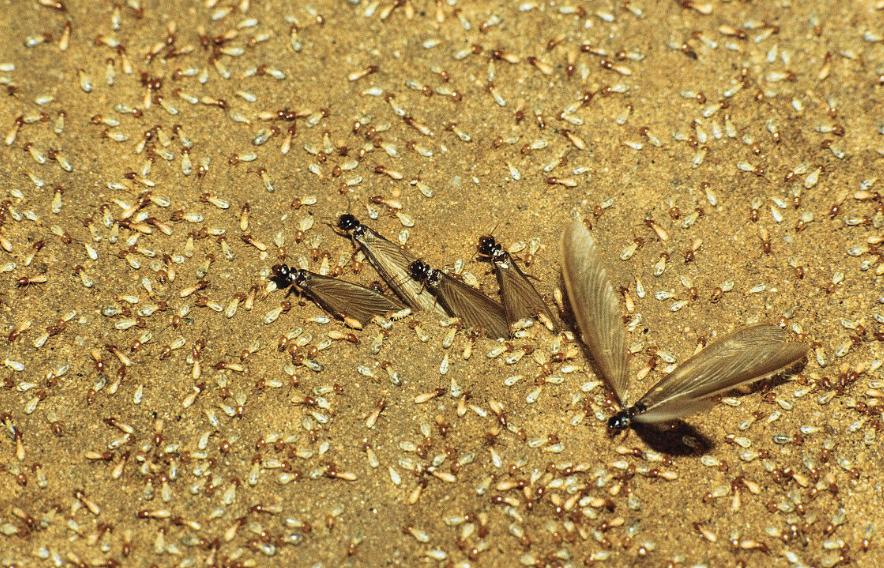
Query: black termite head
[
  {"x": 619, "y": 422},
  {"x": 351, "y": 225},
  {"x": 421, "y": 271},
  {"x": 287, "y": 276},
  {"x": 623, "y": 419},
  {"x": 488, "y": 246},
  {"x": 283, "y": 272},
  {"x": 347, "y": 222},
  {"x": 491, "y": 250}
]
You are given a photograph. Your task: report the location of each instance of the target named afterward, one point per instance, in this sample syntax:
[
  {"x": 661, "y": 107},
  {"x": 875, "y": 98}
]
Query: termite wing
[{"x": 595, "y": 306}]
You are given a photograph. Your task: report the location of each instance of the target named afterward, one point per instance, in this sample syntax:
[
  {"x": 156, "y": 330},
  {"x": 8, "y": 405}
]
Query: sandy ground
[{"x": 164, "y": 405}]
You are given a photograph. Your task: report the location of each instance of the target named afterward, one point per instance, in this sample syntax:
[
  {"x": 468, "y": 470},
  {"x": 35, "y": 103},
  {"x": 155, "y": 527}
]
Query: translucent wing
[
  {"x": 741, "y": 357},
  {"x": 348, "y": 301},
  {"x": 392, "y": 263},
  {"x": 473, "y": 307},
  {"x": 595, "y": 306},
  {"x": 520, "y": 298}
]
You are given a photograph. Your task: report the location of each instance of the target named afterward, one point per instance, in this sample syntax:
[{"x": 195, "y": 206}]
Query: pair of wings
[
  {"x": 355, "y": 304},
  {"x": 392, "y": 262},
  {"x": 520, "y": 298},
  {"x": 473, "y": 307},
  {"x": 736, "y": 359}
]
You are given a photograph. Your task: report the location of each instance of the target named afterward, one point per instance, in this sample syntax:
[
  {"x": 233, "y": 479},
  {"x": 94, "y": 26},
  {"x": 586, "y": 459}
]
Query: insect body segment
[
  {"x": 473, "y": 307},
  {"x": 520, "y": 298},
  {"x": 392, "y": 263},
  {"x": 355, "y": 304}
]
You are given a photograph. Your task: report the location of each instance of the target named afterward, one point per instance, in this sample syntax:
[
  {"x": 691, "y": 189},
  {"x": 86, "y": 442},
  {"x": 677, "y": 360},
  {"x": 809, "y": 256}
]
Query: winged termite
[
  {"x": 741, "y": 357},
  {"x": 354, "y": 304},
  {"x": 737, "y": 359},
  {"x": 520, "y": 298},
  {"x": 391, "y": 262},
  {"x": 473, "y": 307}
]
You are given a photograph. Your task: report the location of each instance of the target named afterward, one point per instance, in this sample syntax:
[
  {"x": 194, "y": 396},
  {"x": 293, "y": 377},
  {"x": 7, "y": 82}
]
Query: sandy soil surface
[{"x": 163, "y": 404}]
